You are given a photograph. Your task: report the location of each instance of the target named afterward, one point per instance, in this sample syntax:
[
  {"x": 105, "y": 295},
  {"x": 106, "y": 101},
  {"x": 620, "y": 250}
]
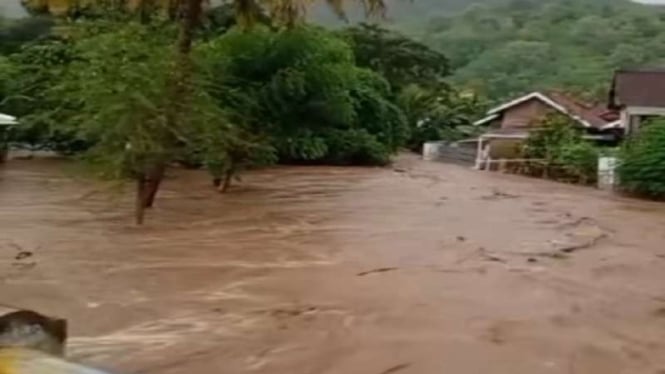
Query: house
[
  {"x": 510, "y": 123},
  {"x": 637, "y": 94}
]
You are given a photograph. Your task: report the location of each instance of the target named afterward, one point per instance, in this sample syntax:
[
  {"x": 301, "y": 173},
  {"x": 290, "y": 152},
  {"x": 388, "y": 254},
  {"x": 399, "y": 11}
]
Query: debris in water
[
  {"x": 23, "y": 255},
  {"x": 379, "y": 270},
  {"x": 490, "y": 257},
  {"x": 576, "y": 247},
  {"x": 396, "y": 368},
  {"x": 499, "y": 195}
]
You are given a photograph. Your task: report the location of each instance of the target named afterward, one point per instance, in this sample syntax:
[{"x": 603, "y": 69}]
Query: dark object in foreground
[
  {"x": 28, "y": 329},
  {"x": 32, "y": 343}
]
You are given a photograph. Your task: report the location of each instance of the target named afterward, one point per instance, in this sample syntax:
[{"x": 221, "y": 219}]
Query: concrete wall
[{"x": 525, "y": 114}]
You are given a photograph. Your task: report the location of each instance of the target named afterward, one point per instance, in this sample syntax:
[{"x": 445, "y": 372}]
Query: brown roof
[
  {"x": 587, "y": 114},
  {"x": 597, "y": 115},
  {"x": 638, "y": 87}
]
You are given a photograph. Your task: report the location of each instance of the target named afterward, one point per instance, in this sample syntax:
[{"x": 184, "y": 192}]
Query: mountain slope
[{"x": 523, "y": 45}]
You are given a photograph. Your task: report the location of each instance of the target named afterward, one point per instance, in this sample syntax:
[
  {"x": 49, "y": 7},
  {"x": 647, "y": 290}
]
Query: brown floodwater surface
[{"x": 420, "y": 268}]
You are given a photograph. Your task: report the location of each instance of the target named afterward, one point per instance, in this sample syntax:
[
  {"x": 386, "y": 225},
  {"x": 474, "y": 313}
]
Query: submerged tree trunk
[
  {"x": 227, "y": 181},
  {"x": 140, "y": 202},
  {"x": 190, "y": 12},
  {"x": 153, "y": 182}
]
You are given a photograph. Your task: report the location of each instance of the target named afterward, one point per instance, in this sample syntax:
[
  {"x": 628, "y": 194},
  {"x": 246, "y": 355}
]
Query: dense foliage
[
  {"x": 561, "y": 151},
  {"x": 438, "y": 113},
  {"x": 642, "y": 167},
  {"x": 302, "y": 89},
  {"x": 506, "y": 48},
  {"x": 417, "y": 76},
  {"x": 400, "y": 59},
  {"x": 36, "y": 70}
]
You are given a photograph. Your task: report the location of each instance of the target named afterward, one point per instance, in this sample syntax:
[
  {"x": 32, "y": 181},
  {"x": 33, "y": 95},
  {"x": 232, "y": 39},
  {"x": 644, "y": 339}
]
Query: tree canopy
[{"x": 302, "y": 89}]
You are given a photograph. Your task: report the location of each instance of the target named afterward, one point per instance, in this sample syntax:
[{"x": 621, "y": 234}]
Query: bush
[
  {"x": 356, "y": 147},
  {"x": 642, "y": 167},
  {"x": 579, "y": 159},
  {"x": 560, "y": 145}
]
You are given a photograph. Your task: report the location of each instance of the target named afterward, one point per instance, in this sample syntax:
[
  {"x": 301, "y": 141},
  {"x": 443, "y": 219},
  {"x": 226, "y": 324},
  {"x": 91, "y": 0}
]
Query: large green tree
[
  {"x": 401, "y": 60},
  {"x": 301, "y": 88}
]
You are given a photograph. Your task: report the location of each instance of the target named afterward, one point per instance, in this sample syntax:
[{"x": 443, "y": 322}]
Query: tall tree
[{"x": 187, "y": 13}]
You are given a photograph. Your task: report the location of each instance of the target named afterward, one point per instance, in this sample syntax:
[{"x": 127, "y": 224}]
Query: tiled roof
[{"x": 596, "y": 115}]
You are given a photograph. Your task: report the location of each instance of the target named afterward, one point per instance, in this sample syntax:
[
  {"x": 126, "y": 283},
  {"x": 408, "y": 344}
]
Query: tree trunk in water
[
  {"x": 190, "y": 12},
  {"x": 139, "y": 207},
  {"x": 227, "y": 181},
  {"x": 153, "y": 183}
]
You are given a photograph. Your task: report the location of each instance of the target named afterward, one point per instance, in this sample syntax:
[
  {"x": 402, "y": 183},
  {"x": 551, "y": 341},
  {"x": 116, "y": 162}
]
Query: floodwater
[{"x": 419, "y": 268}]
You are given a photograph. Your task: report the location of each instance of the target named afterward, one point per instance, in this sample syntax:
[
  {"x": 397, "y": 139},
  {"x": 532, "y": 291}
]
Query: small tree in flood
[{"x": 119, "y": 80}]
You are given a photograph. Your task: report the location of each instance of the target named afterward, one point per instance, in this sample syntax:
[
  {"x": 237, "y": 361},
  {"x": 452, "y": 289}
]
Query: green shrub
[
  {"x": 579, "y": 159},
  {"x": 545, "y": 141},
  {"x": 565, "y": 153},
  {"x": 356, "y": 147},
  {"x": 642, "y": 167}
]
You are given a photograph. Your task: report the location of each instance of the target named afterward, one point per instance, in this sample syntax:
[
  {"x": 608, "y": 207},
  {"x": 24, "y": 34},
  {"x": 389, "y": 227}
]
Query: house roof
[
  {"x": 638, "y": 87},
  {"x": 6, "y": 120},
  {"x": 588, "y": 115}
]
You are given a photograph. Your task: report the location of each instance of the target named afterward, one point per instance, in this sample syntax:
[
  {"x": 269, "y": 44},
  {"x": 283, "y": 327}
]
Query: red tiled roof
[{"x": 595, "y": 114}]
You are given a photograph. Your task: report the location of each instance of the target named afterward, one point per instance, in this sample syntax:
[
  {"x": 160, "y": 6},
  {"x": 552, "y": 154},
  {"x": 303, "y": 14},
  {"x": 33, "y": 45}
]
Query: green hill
[
  {"x": 522, "y": 45},
  {"x": 507, "y": 47},
  {"x": 400, "y": 12}
]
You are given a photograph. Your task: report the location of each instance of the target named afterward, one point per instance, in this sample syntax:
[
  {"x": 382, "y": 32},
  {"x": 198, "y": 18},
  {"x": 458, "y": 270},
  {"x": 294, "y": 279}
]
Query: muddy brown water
[{"x": 429, "y": 268}]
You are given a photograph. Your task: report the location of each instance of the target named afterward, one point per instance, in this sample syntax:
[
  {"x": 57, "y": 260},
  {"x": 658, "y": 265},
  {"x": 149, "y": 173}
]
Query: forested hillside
[
  {"x": 501, "y": 48},
  {"x": 522, "y": 45},
  {"x": 401, "y": 13}
]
